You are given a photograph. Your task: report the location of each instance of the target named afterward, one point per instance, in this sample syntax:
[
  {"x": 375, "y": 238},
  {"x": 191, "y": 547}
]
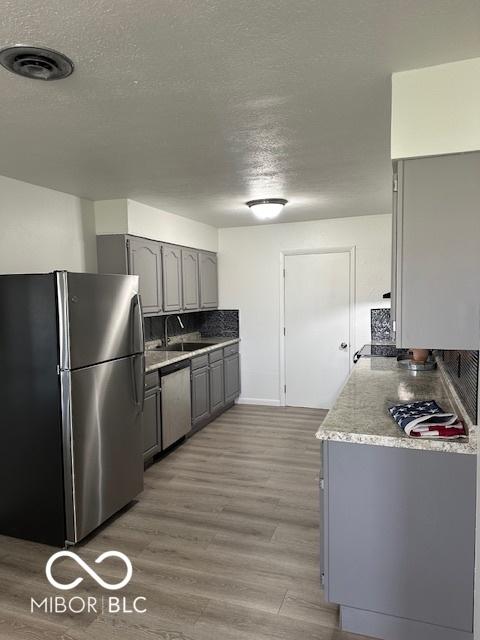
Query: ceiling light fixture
[
  {"x": 267, "y": 208},
  {"x": 37, "y": 63}
]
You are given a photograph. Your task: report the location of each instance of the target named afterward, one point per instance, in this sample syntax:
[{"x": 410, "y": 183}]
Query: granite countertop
[
  {"x": 156, "y": 359},
  {"x": 360, "y": 414}
]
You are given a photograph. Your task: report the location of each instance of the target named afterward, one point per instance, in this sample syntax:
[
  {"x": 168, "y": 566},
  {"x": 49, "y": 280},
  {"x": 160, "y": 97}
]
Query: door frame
[{"x": 351, "y": 250}]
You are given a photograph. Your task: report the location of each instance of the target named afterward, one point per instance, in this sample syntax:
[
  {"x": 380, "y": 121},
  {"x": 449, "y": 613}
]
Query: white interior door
[{"x": 317, "y": 327}]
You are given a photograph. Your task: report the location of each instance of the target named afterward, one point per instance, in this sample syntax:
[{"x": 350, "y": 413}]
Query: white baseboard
[{"x": 269, "y": 402}]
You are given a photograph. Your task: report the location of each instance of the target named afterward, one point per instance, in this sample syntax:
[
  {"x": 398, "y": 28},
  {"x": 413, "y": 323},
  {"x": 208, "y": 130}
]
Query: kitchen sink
[{"x": 186, "y": 346}]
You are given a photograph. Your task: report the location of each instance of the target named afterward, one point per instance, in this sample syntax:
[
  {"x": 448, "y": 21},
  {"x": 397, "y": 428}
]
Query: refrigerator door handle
[
  {"x": 138, "y": 330},
  {"x": 139, "y": 381}
]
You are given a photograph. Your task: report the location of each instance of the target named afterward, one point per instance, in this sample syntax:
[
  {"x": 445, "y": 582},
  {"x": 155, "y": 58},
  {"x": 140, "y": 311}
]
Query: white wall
[
  {"x": 111, "y": 216},
  {"x": 43, "y": 230},
  {"x": 129, "y": 216},
  {"x": 436, "y": 110},
  {"x": 249, "y": 279},
  {"x": 150, "y": 222}
]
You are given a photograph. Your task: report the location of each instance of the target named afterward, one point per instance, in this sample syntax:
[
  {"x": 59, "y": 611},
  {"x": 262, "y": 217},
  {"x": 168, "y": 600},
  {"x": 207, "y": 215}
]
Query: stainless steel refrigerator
[{"x": 71, "y": 396}]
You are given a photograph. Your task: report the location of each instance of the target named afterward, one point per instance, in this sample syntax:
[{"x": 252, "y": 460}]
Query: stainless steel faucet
[{"x": 166, "y": 328}]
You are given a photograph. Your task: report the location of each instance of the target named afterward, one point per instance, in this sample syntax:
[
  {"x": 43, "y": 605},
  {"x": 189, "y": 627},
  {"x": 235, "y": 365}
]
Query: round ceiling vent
[{"x": 37, "y": 63}]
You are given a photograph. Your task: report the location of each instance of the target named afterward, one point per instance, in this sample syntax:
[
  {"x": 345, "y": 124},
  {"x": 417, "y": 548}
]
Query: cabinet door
[
  {"x": 172, "y": 277},
  {"x": 217, "y": 386},
  {"x": 144, "y": 260},
  {"x": 208, "y": 281},
  {"x": 232, "y": 377},
  {"x": 200, "y": 395},
  {"x": 190, "y": 279},
  {"x": 404, "y": 561},
  {"x": 151, "y": 424},
  {"x": 439, "y": 262}
]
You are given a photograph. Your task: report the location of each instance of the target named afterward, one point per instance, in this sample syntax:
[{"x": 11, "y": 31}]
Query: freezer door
[
  {"x": 100, "y": 318},
  {"x": 104, "y": 443}
]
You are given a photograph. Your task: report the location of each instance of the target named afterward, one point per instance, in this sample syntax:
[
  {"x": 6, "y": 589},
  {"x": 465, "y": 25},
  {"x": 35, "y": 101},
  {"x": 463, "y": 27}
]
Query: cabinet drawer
[
  {"x": 200, "y": 361},
  {"x": 151, "y": 380},
  {"x": 215, "y": 356},
  {"x": 230, "y": 350}
]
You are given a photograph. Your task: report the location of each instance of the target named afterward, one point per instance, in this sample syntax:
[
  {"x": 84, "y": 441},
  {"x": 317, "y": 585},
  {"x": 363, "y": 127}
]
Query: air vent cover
[{"x": 37, "y": 63}]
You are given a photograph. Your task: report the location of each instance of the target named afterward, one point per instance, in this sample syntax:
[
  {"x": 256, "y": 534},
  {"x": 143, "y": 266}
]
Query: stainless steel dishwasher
[{"x": 176, "y": 402}]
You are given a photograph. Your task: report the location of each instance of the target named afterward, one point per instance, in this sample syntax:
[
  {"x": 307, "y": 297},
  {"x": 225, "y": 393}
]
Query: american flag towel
[{"x": 426, "y": 419}]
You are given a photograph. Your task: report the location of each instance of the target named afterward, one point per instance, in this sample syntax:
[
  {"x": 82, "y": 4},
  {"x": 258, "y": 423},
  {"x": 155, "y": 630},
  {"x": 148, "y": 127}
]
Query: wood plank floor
[{"x": 223, "y": 541}]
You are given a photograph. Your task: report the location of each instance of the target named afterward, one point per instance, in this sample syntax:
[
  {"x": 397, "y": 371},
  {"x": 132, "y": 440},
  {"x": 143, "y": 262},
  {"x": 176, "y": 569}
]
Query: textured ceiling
[{"x": 196, "y": 106}]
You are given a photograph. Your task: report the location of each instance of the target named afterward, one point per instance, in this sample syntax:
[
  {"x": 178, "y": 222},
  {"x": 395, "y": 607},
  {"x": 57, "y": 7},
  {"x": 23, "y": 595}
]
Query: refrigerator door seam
[
  {"x": 68, "y": 458},
  {"x": 61, "y": 281},
  {"x": 63, "y": 319}
]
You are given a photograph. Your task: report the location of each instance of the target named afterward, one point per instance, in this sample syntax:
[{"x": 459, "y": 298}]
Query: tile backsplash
[
  {"x": 462, "y": 369},
  {"x": 218, "y": 322},
  {"x": 221, "y": 322},
  {"x": 380, "y": 324}
]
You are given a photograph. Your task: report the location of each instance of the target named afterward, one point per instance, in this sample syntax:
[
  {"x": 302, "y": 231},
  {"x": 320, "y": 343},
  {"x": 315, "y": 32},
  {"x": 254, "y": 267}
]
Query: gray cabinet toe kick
[{"x": 398, "y": 539}]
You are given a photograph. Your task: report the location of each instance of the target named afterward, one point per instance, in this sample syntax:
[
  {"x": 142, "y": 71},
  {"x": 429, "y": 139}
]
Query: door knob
[{"x": 343, "y": 345}]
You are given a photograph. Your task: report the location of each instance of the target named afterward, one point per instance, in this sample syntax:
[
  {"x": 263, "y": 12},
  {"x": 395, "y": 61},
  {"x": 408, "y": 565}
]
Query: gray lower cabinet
[
  {"x": 152, "y": 417},
  {"x": 172, "y": 277},
  {"x": 208, "y": 280},
  {"x": 217, "y": 386},
  {"x": 436, "y": 259},
  {"x": 321, "y": 491},
  {"x": 399, "y": 540},
  {"x": 200, "y": 395},
  {"x": 190, "y": 280},
  {"x": 212, "y": 375},
  {"x": 232, "y": 377}
]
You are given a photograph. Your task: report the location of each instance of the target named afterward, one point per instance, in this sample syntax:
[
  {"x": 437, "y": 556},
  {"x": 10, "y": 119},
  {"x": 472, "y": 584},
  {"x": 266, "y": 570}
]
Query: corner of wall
[{"x": 87, "y": 208}]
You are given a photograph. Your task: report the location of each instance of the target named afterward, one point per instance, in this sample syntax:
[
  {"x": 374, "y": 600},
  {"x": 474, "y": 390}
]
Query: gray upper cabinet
[
  {"x": 190, "y": 285},
  {"x": 135, "y": 256},
  {"x": 436, "y": 257},
  {"x": 144, "y": 260},
  {"x": 208, "y": 280},
  {"x": 172, "y": 277}
]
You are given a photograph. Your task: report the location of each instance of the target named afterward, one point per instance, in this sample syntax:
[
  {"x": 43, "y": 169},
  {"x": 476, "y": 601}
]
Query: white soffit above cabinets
[{"x": 195, "y": 107}]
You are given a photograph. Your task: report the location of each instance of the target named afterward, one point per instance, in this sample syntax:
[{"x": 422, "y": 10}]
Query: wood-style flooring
[{"x": 223, "y": 541}]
